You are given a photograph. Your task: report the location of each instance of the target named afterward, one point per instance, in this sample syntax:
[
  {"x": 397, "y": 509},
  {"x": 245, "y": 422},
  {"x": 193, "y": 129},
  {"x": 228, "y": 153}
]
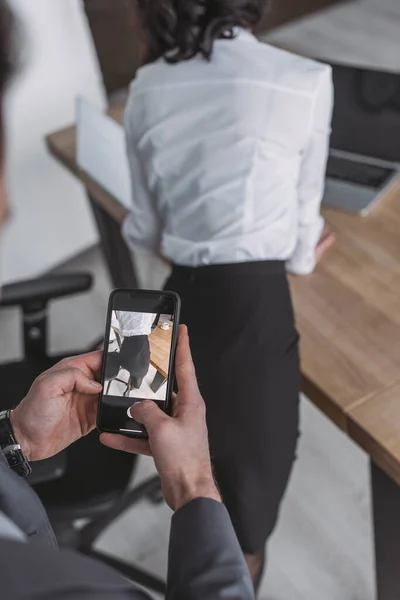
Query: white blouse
[
  {"x": 228, "y": 157},
  {"x": 134, "y": 323}
]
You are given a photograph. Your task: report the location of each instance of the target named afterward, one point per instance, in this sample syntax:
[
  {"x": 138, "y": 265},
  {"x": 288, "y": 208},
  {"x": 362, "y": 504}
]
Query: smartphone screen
[{"x": 139, "y": 356}]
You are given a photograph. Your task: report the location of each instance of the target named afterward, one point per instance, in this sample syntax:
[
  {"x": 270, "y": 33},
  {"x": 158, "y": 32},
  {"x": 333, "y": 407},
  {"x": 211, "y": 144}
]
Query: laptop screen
[{"x": 367, "y": 113}]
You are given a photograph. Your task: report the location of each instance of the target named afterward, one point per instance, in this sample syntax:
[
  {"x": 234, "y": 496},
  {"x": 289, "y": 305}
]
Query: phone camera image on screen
[
  {"x": 139, "y": 351},
  {"x": 138, "y": 363}
]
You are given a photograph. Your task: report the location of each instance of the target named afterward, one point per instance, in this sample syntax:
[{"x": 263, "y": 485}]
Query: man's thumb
[
  {"x": 147, "y": 413},
  {"x": 184, "y": 367}
]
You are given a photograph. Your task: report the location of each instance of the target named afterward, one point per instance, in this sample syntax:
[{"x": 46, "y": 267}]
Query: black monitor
[{"x": 367, "y": 112}]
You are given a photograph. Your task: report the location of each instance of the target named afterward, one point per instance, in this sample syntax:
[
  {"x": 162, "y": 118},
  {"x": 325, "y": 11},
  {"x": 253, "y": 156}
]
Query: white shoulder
[
  {"x": 297, "y": 72},
  {"x": 157, "y": 74}
]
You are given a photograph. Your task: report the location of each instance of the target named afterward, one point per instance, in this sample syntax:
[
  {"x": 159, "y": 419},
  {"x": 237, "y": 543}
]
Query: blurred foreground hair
[{"x": 7, "y": 53}]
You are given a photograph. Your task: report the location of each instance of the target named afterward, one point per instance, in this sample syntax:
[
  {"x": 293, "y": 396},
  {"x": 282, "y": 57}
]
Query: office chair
[{"x": 87, "y": 481}]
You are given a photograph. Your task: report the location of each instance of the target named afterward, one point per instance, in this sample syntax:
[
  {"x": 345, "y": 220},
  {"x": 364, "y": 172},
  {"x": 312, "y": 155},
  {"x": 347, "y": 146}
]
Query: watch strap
[{"x": 12, "y": 451}]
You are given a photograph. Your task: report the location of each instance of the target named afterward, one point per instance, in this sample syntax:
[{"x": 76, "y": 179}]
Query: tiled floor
[
  {"x": 118, "y": 388},
  {"x": 359, "y": 32}
]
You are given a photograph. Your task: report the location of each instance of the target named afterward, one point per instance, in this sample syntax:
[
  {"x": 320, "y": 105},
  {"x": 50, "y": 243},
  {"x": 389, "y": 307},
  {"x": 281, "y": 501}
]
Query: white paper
[{"x": 101, "y": 151}]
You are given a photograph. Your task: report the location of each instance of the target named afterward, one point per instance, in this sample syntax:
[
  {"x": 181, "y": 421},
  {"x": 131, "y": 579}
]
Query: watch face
[{"x": 11, "y": 449}]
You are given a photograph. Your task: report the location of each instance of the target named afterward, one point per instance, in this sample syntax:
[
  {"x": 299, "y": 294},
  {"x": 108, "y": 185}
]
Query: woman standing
[{"x": 228, "y": 141}]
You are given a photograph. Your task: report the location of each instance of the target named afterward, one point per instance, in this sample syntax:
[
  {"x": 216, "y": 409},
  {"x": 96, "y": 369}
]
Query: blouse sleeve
[
  {"x": 312, "y": 179},
  {"x": 142, "y": 226}
]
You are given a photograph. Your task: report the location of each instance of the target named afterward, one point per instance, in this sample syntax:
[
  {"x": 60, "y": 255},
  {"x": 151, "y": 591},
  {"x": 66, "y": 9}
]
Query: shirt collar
[{"x": 244, "y": 35}]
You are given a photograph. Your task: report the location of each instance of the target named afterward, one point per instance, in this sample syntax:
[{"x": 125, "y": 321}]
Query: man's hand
[
  {"x": 327, "y": 239},
  {"x": 178, "y": 444},
  {"x": 60, "y": 407}
]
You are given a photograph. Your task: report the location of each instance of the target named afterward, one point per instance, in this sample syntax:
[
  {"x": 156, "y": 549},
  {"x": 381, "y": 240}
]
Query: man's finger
[
  {"x": 184, "y": 367},
  {"x": 88, "y": 363},
  {"x": 147, "y": 413},
  {"x": 94, "y": 362},
  {"x": 119, "y": 442},
  {"x": 69, "y": 380}
]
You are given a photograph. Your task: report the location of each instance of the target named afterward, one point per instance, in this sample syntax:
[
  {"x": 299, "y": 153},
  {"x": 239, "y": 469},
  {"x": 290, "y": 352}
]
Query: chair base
[
  {"x": 131, "y": 572},
  {"x": 83, "y": 540}
]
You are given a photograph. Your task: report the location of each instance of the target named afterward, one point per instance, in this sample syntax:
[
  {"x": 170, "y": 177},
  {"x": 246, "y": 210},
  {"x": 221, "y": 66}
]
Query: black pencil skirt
[{"x": 245, "y": 349}]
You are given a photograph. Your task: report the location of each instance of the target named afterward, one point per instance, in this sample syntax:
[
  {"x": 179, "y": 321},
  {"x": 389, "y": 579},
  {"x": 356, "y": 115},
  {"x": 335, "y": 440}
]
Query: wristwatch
[{"x": 12, "y": 451}]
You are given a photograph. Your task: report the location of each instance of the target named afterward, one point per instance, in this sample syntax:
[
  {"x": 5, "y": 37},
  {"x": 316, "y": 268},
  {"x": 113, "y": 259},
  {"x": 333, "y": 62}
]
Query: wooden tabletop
[
  {"x": 160, "y": 348},
  {"x": 348, "y": 315},
  {"x": 348, "y": 311},
  {"x": 374, "y": 425}
]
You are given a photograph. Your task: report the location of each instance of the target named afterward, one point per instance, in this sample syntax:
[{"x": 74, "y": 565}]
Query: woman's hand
[
  {"x": 60, "y": 408},
  {"x": 327, "y": 240}
]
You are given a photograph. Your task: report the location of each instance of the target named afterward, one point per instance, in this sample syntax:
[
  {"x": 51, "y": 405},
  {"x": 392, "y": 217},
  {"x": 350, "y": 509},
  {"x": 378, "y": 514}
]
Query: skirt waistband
[{"x": 262, "y": 268}]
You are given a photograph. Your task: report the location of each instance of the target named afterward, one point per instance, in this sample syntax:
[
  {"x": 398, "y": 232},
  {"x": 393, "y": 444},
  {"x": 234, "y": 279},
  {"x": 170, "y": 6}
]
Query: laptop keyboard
[{"x": 357, "y": 172}]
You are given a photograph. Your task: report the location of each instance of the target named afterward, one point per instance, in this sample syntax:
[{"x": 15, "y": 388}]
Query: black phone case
[{"x": 171, "y": 378}]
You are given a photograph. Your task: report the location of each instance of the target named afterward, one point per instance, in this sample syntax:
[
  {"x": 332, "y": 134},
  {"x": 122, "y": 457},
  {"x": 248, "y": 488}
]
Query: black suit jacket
[{"x": 205, "y": 560}]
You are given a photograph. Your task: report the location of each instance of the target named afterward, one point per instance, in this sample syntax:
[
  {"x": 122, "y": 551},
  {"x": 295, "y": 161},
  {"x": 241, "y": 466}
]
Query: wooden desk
[
  {"x": 348, "y": 314},
  {"x": 374, "y": 425}
]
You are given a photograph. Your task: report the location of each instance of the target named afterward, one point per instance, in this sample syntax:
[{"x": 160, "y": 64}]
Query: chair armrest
[
  {"x": 48, "y": 470},
  {"x": 44, "y": 289}
]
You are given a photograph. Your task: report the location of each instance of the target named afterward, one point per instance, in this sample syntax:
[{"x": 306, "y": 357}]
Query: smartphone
[{"x": 139, "y": 357}]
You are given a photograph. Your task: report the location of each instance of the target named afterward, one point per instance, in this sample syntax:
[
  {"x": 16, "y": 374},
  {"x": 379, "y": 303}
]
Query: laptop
[{"x": 364, "y": 160}]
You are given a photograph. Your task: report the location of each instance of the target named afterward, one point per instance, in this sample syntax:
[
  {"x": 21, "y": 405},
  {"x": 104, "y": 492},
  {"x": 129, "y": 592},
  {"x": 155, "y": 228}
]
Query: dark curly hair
[{"x": 181, "y": 29}]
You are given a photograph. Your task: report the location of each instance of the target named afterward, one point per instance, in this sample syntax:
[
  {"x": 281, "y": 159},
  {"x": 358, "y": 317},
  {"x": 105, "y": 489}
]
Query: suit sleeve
[
  {"x": 312, "y": 179},
  {"x": 40, "y": 573},
  {"x": 205, "y": 559},
  {"x": 21, "y": 505}
]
